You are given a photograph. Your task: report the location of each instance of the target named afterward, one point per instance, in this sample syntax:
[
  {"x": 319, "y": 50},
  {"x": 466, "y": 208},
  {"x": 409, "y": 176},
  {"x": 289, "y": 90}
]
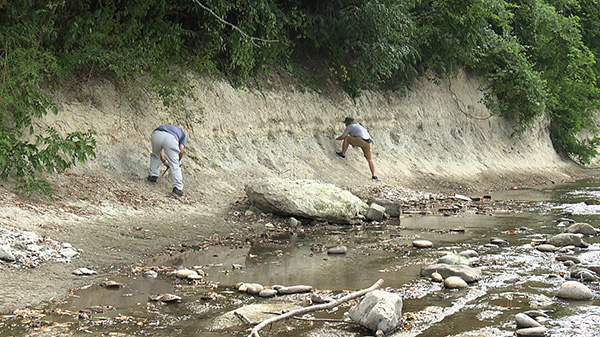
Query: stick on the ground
[{"x": 318, "y": 307}]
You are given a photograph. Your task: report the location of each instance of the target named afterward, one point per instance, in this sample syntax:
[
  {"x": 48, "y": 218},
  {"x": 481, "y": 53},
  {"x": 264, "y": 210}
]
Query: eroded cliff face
[{"x": 435, "y": 135}]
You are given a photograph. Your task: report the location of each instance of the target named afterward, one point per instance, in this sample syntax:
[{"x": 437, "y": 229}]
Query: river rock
[
  {"x": 573, "y": 290},
  {"x": 267, "y": 293},
  {"x": 469, "y": 253},
  {"x": 539, "y": 331},
  {"x": 466, "y": 273},
  {"x": 378, "y": 311},
  {"x": 525, "y": 321},
  {"x": 376, "y": 212},
  {"x": 437, "y": 277},
  {"x": 567, "y": 239},
  {"x": 455, "y": 282},
  {"x": 546, "y": 248},
  {"x": 251, "y": 288},
  {"x": 422, "y": 244},
  {"x": 567, "y": 257},
  {"x": 294, "y": 289},
  {"x": 499, "y": 242},
  {"x": 584, "y": 275},
  {"x": 392, "y": 208},
  {"x": 337, "y": 250},
  {"x": 306, "y": 199},
  {"x": 582, "y": 228}
]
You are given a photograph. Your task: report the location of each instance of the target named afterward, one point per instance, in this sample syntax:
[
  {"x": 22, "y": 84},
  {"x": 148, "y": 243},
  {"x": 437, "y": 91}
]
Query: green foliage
[{"x": 538, "y": 57}]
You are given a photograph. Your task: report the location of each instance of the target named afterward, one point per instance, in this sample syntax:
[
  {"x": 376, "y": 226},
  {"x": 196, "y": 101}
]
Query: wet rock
[
  {"x": 236, "y": 266},
  {"x": 499, "y": 242},
  {"x": 6, "y": 254},
  {"x": 378, "y": 311},
  {"x": 376, "y": 212},
  {"x": 165, "y": 297},
  {"x": 535, "y": 314},
  {"x": 595, "y": 269},
  {"x": 591, "y": 202},
  {"x": 151, "y": 274},
  {"x": 491, "y": 246},
  {"x": 455, "y": 282},
  {"x": 525, "y": 321},
  {"x": 573, "y": 290},
  {"x": 584, "y": 275},
  {"x": 546, "y": 248},
  {"x": 294, "y": 289},
  {"x": 84, "y": 272},
  {"x": 566, "y": 257},
  {"x": 539, "y": 331},
  {"x": 437, "y": 277},
  {"x": 337, "y": 250},
  {"x": 306, "y": 199},
  {"x": 267, "y": 293},
  {"x": 567, "y": 239},
  {"x": 582, "y": 228},
  {"x": 422, "y": 244},
  {"x": 466, "y": 273},
  {"x": 568, "y": 263}
]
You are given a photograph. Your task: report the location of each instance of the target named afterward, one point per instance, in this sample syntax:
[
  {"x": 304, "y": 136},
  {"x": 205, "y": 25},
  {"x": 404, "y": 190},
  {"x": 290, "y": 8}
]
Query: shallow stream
[{"x": 517, "y": 277}]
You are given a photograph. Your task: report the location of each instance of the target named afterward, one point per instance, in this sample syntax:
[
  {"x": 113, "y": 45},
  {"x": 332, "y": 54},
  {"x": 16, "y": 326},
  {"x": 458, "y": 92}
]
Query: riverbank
[{"x": 432, "y": 138}]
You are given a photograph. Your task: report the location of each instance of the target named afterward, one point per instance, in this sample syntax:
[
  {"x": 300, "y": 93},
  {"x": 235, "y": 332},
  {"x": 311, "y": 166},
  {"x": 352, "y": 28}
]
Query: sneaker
[
  {"x": 177, "y": 192},
  {"x": 340, "y": 154},
  {"x": 374, "y": 177},
  {"x": 152, "y": 179}
]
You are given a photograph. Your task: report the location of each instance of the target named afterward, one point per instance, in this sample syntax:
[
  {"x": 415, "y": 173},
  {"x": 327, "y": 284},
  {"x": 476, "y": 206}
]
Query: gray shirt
[{"x": 356, "y": 130}]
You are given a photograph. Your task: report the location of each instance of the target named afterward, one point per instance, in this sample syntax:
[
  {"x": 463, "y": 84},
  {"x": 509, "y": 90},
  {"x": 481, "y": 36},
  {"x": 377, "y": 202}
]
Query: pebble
[
  {"x": 532, "y": 332},
  {"x": 437, "y": 277},
  {"x": 422, "y": 244},
  {"x": 455, "y": 282},
  {"x": 525, "y": 321},
  {"x": 185, "y": 273},
  {"x": 547, "y": 248},
  {"x": 337, "y": 250}
]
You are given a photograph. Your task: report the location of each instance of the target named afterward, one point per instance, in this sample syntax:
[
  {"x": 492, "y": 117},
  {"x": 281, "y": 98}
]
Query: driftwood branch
[
  {"x": 251, "y": 38},
  {"x": 318, "y": 307}
]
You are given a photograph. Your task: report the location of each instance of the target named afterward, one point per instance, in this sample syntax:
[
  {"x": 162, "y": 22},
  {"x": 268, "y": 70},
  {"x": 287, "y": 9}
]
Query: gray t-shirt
[{"x": 356, "y": 130}]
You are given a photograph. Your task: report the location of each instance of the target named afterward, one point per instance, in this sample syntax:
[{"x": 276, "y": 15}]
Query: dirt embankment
[{"x": 434, "y": 136}]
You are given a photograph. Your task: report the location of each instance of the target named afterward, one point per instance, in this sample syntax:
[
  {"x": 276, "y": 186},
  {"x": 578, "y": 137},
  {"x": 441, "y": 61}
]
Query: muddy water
[{"x": 518, "y": 278}]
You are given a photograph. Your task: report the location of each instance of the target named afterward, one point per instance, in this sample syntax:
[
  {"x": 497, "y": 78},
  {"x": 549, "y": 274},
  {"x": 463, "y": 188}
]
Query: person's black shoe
[
  {"x": 177, "y": 192},
  {"x": 152, "y": 179},
  {"x": 374, "y": 177},
  {"x": 340, "y": 154}
]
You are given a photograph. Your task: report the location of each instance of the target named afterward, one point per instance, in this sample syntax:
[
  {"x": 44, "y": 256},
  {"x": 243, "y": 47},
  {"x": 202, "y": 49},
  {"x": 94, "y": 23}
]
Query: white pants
[{"x": 163, "y": 141}]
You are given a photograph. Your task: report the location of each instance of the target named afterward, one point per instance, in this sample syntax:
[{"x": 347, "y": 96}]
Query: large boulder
[
  {"x": 305, "y": 198},
  {"x": 378, "y": 311},
  {"x": 582, "y": 228},
  {"x": 466, "y": 273}
]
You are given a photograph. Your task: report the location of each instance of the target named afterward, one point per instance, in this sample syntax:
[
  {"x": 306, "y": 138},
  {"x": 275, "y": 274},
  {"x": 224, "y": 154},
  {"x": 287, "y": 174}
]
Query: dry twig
[{"x": 318, "y": 307}]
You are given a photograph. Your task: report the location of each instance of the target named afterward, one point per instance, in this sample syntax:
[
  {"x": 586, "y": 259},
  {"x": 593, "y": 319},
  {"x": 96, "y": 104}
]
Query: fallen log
[{"x": 318, "y": 307}]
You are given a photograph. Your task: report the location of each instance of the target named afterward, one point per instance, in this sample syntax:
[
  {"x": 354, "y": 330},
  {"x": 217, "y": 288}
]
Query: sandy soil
[{"x": 433, "y": 137}]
